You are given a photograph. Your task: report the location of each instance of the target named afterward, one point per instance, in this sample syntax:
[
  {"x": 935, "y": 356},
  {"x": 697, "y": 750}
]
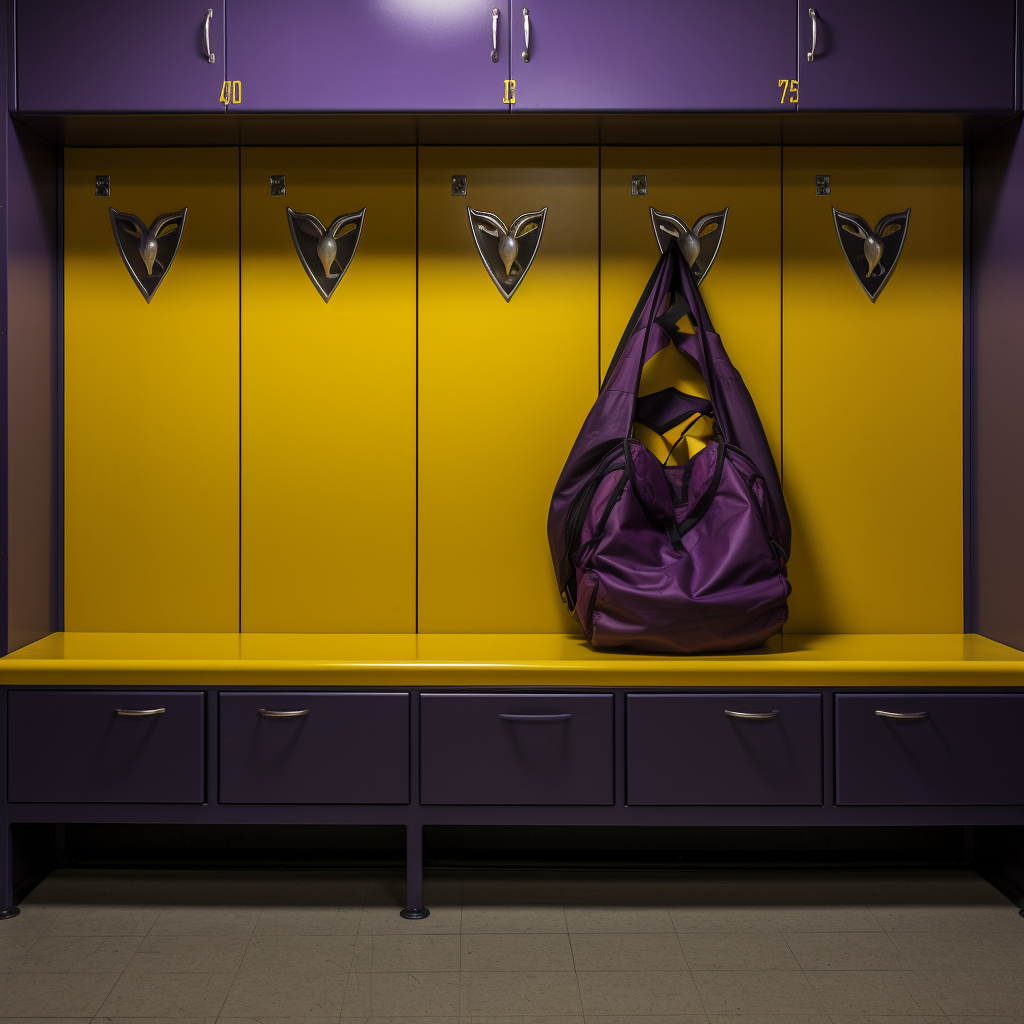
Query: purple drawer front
[
  {"x": 966, "y": 750},
  {"x": 350, "y": 748},
  {"x": 66, "y": 747},
  {"x": 543, "y": 748},
  {"x": 688, "y": 749}
]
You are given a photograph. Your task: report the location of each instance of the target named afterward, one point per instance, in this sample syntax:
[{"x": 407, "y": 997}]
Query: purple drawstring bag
[{"x": 674, "y": 559}]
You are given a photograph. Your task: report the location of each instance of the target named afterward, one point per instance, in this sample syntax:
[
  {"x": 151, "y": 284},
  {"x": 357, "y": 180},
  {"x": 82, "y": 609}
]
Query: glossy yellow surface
[
  {"x": 872, "y": 406},
  {"x": 742, "y": 289},
  {"x": 151, "y": 398},
  {"x": 329, "y": 398},
  {"x": 919, "y": 660},
  {"x": 503, "y": 387}
]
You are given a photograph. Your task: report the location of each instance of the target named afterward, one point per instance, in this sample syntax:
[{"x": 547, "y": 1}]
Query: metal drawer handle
[
  {"x": 526, "y": 34},
  {"x": 134, "y": 712},
  {"x": 752, "y": 714},
  {"x": 494, "y": 36},
  {"x": 902, "y": 714},
  {"x": 272, "y": 713},
  {"x": 210, "y": 55},
  {"x": 536, "y": 718},
  {"x": 814, "y": 32}
]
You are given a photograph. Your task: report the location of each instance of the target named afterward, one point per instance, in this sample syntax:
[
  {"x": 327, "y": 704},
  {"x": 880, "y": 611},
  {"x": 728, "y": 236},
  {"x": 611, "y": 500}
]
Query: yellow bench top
[{"x": 437, "y": 660}]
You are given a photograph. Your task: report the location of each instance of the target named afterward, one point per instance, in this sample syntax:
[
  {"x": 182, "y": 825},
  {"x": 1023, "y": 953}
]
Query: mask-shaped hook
[
  {"x": 871, "y": 253},
  {"x": 148, "y": 251},
  {"x": 325, "y": 253},
  {"x": 699, "y": 246},
  {"x": 507, "y": 253}
]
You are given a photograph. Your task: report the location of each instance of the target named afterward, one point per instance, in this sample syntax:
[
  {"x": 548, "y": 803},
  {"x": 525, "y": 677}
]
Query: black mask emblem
[
  {"x": 148, "y": 251},
  {"x": 871, "y": 253},
  {"x": 326, "y": 253}
]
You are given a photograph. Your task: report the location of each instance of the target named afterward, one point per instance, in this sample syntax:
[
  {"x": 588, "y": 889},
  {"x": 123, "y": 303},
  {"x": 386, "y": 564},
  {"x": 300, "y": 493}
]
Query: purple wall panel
[
  {"x": 120, "y": 55},
  {"x": 31, "y": 348},
  {"x": 685, "y": 749},
  {"x": 367, "y": 55},
  {"x": 908, "y": 55},
  {"x": 998, "y": 339},
  {"x": 653, "y": 54},
  {"x": 966, "y": 751}
]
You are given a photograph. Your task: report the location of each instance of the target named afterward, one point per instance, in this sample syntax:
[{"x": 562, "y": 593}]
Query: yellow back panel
[
  {"x": 329, "y": 399},
  {"x": 742, "y": 288},
  {"x": 151, "y": 399},
  {"x": 503, "y": 387},
  {"x": 872, "y": 396}
]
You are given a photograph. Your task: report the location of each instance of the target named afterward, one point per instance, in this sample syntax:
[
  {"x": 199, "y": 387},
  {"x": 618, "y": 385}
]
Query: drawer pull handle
[
  {"x": 135, "y": 712},
  {"x": 752, "y": 714},
  {"x": 902, "y": 714},
  {"x": 814, "y": 32},
  {"x": 536, "y": 718},
  {"x": 272, "y": 713}
]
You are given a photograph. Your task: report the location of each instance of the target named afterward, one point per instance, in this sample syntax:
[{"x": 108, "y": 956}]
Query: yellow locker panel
[
  {"x": 503, "y": 386},
  {"x": 151, "y": 398},
  {"x": 329, "y": 397},
  {"x": 742, "y": 288},
  {"x": 872, "y": 396}
]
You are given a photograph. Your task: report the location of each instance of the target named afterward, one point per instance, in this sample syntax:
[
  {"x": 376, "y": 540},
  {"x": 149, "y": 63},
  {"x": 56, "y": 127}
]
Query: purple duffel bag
[{"x": 675, "y": 559}]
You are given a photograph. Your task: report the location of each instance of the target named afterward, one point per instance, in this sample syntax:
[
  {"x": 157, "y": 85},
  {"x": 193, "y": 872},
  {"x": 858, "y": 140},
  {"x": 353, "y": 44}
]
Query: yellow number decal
[
  {"x": 236, "y": 92},
  {"x": 225, "y": 93},
  {"x": 231, "y": 92},
  {"x": 792, "y": 86},
  {"x": 510, "y": 91}
]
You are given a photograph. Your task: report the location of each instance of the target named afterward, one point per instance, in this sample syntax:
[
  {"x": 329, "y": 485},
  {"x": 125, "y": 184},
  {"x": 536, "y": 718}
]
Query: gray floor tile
[
  {"x": 407, "y": 952},
  {"x": 286, "y": 995},
  {"x": 618, "y": 919},
  {"x": 825, "y": 919},
  {"x": 722, "y": 919},
  {"x": 961, "y": 950},
  {"x": 54, "y": 995},
  {"x": 628, "y": 951},
  {"x": 636, "y": 993},
  {"x": 846, "y": 951},
  {"x": 189, "y": 954},
  {"x": 261, "y": 1019},
  {"x": 525, "y": 1019},
  {"x": 79, "y": 954},
  {"x": 973, "y": 1019},
  {"x": 387, "y": 921},
  {"x": 772, "y": 1018},
  {"x": 146, "y": 994},
  {"x": 672, "y": 1018},
  {"x": 518, "y": 952},
  {"x": 415, "y": 994},
  {"x": 212, "y": 921},
  {"x": 510, "y": 920},
  {"x": 978, "y": 992},
  {"x": 737, "y": 951},
  {"x": 309, "y": 921},
  {"x": 519, "y": 993},
  {"x": 904, "y": 918},
  {"x": 101, "y": 920},
  {"x": 872, "y": 992},
  {"x": 844, "y": 1018},
  {"x": 358, "y": 997},
  {"x": 771, "y": 992},
  {"x": 153, "y": 1020},
  {"x": 298, "y": 954}
]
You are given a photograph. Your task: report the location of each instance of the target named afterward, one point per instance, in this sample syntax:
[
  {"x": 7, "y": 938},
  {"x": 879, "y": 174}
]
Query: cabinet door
[
  {"x": 530, "y": 748},
  {"x": 504, "y": 387},
  {"x": 907, "y": 55},
  {"x": 928, "y": 748},
  {"x": 747, "y": 748},
  {"x": 872, "y": 395},
  {"x": 652, "y": 55},
  {"x": 119, "y": 55},
  {"x": 329, "y": 397},
  {"x": 105, "y": 747},
  {"x": 151, "y": 397},
  {"x": 314, "y": 748},
  {"x": 368, "y": 55}
]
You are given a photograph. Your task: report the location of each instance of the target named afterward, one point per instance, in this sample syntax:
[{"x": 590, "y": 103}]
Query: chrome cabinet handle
[
  {"x": 902, "y": 714},
  {"x": 271, "y": 713},
  {"x": 134, "y": 712},
  {"x": 526, "y": 33},
  {"x": 494, "y": 36},
  {"x": 210, "y": 55},
  {"x": 752, "y": 714},
  {"x": 814, "y": 32},
  {"x": 536, "y": 718}
]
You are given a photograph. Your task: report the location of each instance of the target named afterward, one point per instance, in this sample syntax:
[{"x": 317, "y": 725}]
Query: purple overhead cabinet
[
  {"x": 541, "y": 748},
  {"x": 291, "y": 747},
  {"x": 120, "y": 55},
  {"x": 114, "y": 746},
  {"x": 369, "y": 54},
  {"x": 652, "y": 55},
  {"x": 907, "y": 55},
  {"x": 928, "y": 748},
  {"x": 748, "y": 748}
]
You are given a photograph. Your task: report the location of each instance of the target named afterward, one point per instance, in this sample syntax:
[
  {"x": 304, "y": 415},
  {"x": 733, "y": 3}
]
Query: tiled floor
[{"x": 562, "y": 947}]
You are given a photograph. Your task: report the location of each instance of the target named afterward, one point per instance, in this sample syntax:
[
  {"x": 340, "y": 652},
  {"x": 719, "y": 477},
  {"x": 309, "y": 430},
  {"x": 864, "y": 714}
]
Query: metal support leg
[
  {"x": 7, "y": 907},
  {"x": 414, "y": 909}
]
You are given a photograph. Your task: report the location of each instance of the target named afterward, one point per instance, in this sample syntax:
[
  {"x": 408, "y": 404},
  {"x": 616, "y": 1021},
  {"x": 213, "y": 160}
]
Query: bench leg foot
[
  {"x": 414, "y": 909},
  {"x": 6, "y": 915}
]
